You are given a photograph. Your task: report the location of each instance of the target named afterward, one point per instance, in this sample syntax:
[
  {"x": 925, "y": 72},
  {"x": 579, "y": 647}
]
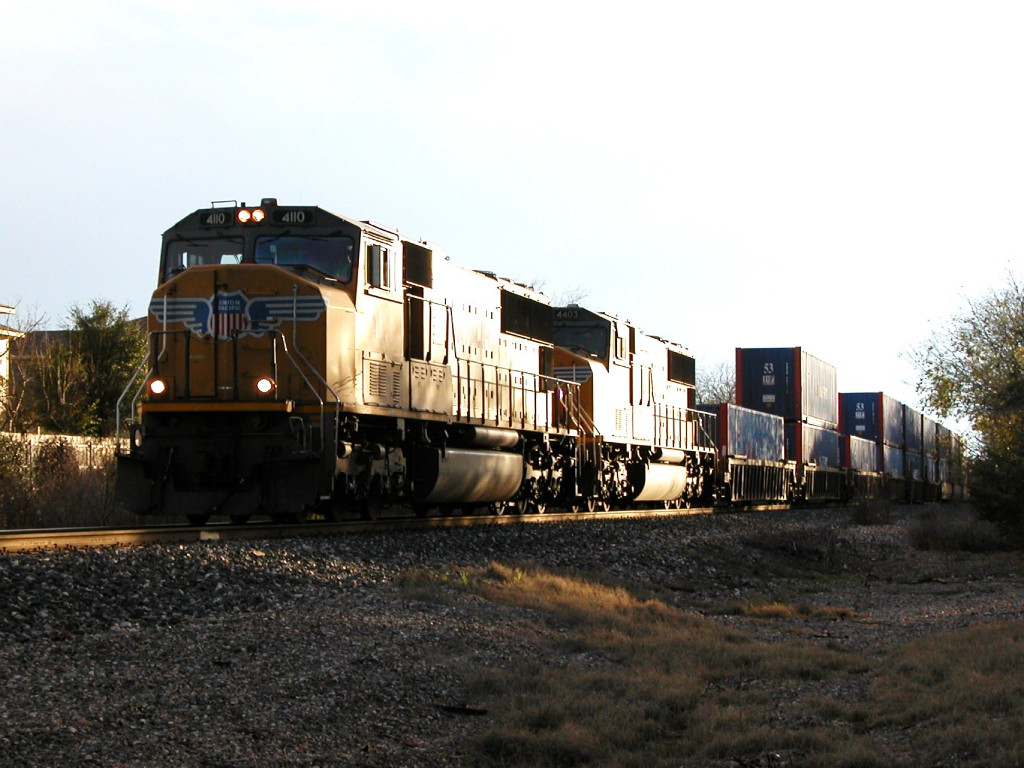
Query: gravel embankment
[{"x": 306, "y": 653}]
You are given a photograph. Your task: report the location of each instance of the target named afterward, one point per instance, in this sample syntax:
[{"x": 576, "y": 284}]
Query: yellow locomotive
[{"x": 302, "y": 361}]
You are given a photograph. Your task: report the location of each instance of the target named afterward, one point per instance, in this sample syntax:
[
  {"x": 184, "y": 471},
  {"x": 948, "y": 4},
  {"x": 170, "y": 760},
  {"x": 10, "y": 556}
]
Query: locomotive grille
[
  {"x": 382, "y": 383},
  {"x": 575, "y": 373}
]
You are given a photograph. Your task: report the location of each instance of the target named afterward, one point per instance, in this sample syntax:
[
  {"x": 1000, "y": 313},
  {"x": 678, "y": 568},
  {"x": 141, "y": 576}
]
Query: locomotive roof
[{"x": 675, "y": 345}]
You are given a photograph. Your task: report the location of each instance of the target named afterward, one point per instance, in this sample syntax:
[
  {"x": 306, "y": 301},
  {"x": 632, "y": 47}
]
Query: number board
[
  {"x": 300, "y": 216},
  {"x": 216, "y": 217}
]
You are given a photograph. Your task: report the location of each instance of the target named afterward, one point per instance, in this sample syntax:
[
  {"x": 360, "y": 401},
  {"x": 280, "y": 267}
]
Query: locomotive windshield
[
  {"x": 587, "y": 338},
  {"x": 182, "y": 254},
  {"x": 332, "y": 256}
]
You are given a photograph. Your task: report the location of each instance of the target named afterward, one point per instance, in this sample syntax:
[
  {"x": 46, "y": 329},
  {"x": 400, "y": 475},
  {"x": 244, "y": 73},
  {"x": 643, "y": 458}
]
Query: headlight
[
  {"x": 265, "y": 385},
  {"x": 157, "y": 387},
  {"x": 250, "y": 215}
]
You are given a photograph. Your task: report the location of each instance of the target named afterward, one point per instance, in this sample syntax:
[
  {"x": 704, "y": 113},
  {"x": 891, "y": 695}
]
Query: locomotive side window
[
  {"x": 331, "y": 256},
  {"x": 378, "y": 266},
  {"x": 621, "y": 350},
  {"x": 182, "y": 254},
  {"x": 681, "y": 368}
]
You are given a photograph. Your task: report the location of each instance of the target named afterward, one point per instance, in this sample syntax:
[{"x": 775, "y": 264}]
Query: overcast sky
[{"x": 837, "y": 176}]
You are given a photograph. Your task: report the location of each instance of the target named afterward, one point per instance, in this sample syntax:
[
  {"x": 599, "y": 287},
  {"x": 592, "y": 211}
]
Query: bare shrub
[
  {"x": 952, "y": 528},
  {"x": 56, "y": 482},
  {"x": 16, "y": 507},
  {"x": 872, "y": 511}
]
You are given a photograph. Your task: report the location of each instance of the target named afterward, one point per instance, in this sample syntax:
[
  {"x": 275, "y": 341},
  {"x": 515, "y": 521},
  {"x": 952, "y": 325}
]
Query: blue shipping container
[
  {"x": 809, "y": 444},
  {"x": 787, "y": 382},
  {"x": 913, "y": 466},
  {"x": 750, "y": 433},
  {"x": 892, "y": 461},
  {"x": 859, "y": 453},
  {"x": 913, "y": 430},
  {"x": 929, "y": 437},
  {"x": 872, "y": 415}
]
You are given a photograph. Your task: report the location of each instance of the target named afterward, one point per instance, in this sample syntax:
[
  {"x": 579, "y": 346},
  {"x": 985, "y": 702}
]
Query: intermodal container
[
  {"x": 749, "y": 433},
  {"x": 809, "y": 444},
  {"x": 929, "y": 437},
  {"x": 787, "y": 382},
  {"x": 892, "y": 461},
  {"x": 873, "y": 415},
  {"x": 913, "y": 430},
  {"x": 859, "y": 453},
  {"x": 913, "y": 466}
]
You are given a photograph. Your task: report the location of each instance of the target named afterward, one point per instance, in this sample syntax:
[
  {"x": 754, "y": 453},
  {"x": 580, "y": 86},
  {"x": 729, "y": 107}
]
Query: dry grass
[
  {"x": 629, "y": 681},
  {"x": 766, "y": 608}
]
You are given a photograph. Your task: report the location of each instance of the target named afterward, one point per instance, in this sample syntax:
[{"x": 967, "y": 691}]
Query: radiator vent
[{"x": 382, "y": 383}]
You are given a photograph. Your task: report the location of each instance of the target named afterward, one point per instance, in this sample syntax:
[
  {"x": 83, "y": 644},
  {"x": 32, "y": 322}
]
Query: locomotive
[{"x": 300, "y": 362}]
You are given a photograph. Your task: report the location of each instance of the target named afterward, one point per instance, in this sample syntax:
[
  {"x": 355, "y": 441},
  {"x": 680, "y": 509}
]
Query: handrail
[
  {"x": 138, "y": 393},
  {"x": 482, "y": 389},
  {"x": 671, "y": 430}
]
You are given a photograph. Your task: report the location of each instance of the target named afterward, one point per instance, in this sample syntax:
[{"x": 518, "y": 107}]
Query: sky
[{"x": 836, "y": 176}]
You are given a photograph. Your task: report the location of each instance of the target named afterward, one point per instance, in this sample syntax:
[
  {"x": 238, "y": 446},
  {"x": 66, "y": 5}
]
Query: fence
[{"x": 56, "y": 481}]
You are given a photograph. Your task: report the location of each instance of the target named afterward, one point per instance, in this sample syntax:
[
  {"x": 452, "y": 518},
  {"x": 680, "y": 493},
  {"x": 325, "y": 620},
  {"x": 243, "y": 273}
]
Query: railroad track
[{"x": 62, "y": 538}]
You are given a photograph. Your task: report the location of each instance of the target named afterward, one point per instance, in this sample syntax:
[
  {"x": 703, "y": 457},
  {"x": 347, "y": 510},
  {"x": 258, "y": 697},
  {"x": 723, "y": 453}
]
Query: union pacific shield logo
[{"x": 234, "y": 315}]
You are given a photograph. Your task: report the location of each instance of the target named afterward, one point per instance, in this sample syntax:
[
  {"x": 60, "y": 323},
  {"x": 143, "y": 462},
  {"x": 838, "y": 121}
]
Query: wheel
[
  {"x": 529, "y": 507},
  {"x": 239, "y": 519},
  {"x": 370, "y": 507},
  {"x": 197, "y": 520}
]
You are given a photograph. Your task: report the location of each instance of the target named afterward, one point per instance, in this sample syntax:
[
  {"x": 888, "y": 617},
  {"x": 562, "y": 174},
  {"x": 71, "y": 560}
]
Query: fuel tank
[{"x": 465, "y": 475}]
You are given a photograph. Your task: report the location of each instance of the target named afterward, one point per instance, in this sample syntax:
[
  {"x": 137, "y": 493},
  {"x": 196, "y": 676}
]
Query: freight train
[{"x": 301, "y": 362}]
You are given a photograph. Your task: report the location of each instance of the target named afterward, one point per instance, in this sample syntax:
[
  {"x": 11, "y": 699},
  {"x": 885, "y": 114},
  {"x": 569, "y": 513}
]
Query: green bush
[{"x": 997, "y": 487}]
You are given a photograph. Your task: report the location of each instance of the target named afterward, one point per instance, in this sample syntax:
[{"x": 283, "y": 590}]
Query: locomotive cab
[
  {"x": 239, "y": 402},
  {"x": 639, "y": 390}
]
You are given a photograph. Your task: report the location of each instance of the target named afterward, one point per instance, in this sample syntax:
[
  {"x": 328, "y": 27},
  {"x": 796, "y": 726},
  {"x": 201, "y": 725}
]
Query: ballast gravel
[{"x": 307, "y": 652}]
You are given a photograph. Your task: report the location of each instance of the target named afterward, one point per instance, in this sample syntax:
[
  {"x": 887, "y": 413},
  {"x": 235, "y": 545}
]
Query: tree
[
  {"x": 110, "y": 346},
  {"x": 68, "y": 381},
  {"x": 716, "y": 383},
  {"x": 973, "y": 370}
]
